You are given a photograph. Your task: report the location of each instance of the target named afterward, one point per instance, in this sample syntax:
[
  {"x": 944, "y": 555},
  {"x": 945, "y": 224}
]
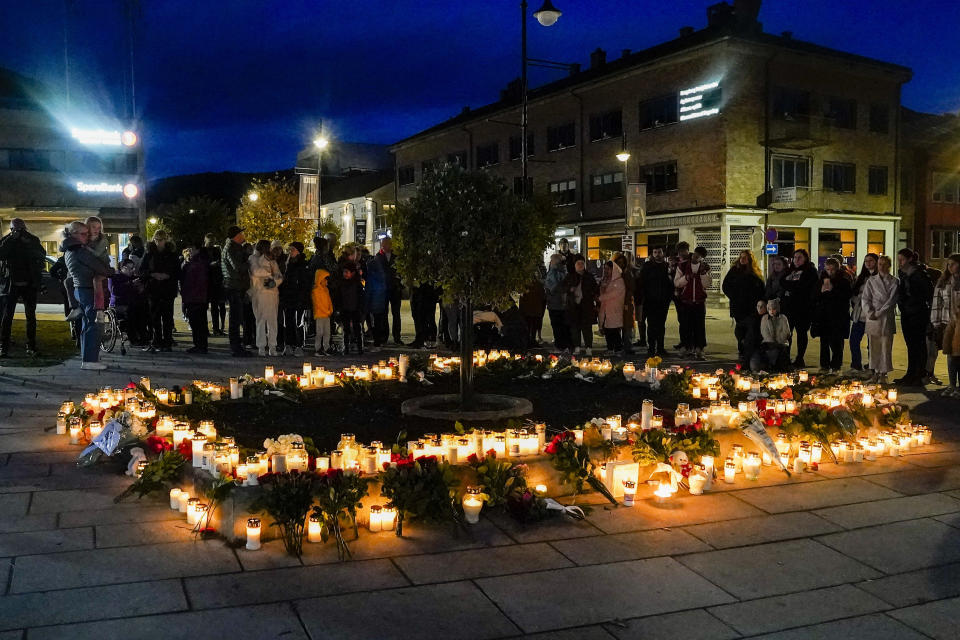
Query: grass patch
[{"x": 53, "y": 341}]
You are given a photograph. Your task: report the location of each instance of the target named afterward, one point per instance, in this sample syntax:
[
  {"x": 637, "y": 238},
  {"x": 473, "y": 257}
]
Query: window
[
  {"x": 406, "y": 175},
  {"x": 458, "y": 157},
  {"x": 603, "y": 247},
  {"x": 791, "y": 104},
  {"x": 877, "y": 181},
  {"x": 792, "y": 239},
  {"x": 645, "y": 243},
  {"x": 488, "y": 155},
  {"x": 429, "y": 165},
  {"x": 836, "y": 241},
  {"x": 790, "y": 171},
  {"x": 841, "y": 113},
  {"x": 838, "y": 177},
  {"x": 660, "y": 177},
  {"x": 34, "y": 160},
  {"x": 879, "y": 118},
  {"x": 876, "y": 241},
  {"x": 515, "y": 150},
  {"x": 659, "y": 112},
  {"x": 563, "y": 193},
  {"x": 561, "y": 137},
  {"x": 604, "y": 126},
  {"x": 944, "y": 242},
  {"x": 606, "y": 186},
  {"x": 946, "y": 188}
]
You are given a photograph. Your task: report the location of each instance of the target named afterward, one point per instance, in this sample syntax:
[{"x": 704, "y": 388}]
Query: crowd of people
[{"x": 277, "y": 299}]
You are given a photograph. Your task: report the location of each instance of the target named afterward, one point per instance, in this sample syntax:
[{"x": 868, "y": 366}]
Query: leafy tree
[
  {"x": 275, "y": 214},
  {"x": 189, "y": 219},
  {"x": 467, "y": 233},
  {"x": 328, "y": 225}
]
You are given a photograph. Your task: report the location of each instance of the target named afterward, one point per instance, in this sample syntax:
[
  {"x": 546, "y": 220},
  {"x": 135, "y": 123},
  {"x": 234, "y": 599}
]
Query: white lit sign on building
[
  {"x": 104, "y": 137},
  {"x": 129, "y": 190},
  {"x": 700, "y": 101}
]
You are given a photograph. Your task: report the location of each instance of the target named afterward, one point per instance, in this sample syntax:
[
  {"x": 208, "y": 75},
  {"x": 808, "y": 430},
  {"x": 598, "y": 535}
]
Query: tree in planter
[
  {"x": 275, "y": 214},
  {"x": 467, "y": 233}
]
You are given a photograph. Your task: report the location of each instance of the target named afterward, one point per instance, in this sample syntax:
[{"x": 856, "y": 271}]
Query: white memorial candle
[
  {"x": 253, "y": 534},
  {"x": 175, "y": 498}
]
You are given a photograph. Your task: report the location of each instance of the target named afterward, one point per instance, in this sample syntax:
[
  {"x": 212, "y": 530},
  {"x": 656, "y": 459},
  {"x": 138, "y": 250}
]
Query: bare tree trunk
[{"x": 467, "y": 400}]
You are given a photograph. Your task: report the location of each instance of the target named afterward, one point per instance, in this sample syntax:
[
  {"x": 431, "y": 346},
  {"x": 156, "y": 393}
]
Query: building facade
[
  {"x": 360, "y": 205},
  {"x": 63, "y": 167},
  {"x": 737, "y": 136}
]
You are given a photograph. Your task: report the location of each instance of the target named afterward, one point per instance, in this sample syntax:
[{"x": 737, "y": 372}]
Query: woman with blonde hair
[
  {"x": 744, "y": 287},
  {"x": 944, "y": 316},
  {"x": 265, "y": 277},
  {"x": 879, "y": 301}
]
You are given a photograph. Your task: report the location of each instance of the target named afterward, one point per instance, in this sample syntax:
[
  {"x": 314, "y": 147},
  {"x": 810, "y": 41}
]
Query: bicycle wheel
[{"x": 109, "y": 331}]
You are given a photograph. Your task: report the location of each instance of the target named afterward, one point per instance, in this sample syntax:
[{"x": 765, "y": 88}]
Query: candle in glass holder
[
  {"x": 751, "y": 466},
  {"x": 163, "y": 395},
  {"x": 180, "y": 432},
  {"x": 268, "y": 374},
  {"x": 629, "y": 492},
  {"x": 540, "y": 489},
  {"x": 472, "y": 504},
  {"x": 803, "y": 376},
  {"x": 95, "y": 429},
  {"x": 729, "y": 470},
  {"x": 336, "y": 458},
  {"x": 196, "y": 449},
  {"x": 314, "y": 528},
  {"x": 253, "y": 534},
  {"x": 663, "y": 493},
  {"x": 738, "y": 457},
  {"x": 175, "y": 498},
  {"x": 207, "y": 429},
  {"x": 307, "y": 368},
  {"x": 712, "y": 393},
  {"x": 578, "y": 436},
  {"x": 183, "y": 501},
  {"x": 695, "y": 392},
  {"x": 816, "y": 452},
  {"x": 892, "y": 395},
  {"x": 375, "y": 523},
  {"x": 188, "y": 396},
  {"x": 389, "y": 515},
  {"x": 235, "y": 389},
  {"x": 192, "y": 510},
  {"x": 61, "y": 423},
  {"x": 500, "y": 445},
  {"x": 707, "y": 462},
  {"x": 656, "y": 422},
  {"x": 253, "y": 471},
  {"x": 646, "y": 414},
  {"x": 145, "y": 382}
]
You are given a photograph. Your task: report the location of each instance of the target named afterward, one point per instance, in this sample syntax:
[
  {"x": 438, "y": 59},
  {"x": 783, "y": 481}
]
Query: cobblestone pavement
[{"x": 852, "y": 551}]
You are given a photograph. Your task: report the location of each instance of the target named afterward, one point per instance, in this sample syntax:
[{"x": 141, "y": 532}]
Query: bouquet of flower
[
  {"x": 281, "y": 444},
  {"x": 500, "y": 479},
  {"x": 657, "y": 445},
  {"x": 424, "y": 489},
  {"x": 654, "y": 361},
  {"x": 573, "y": 462},
  {"x": 339, "y": 492},
  {"x": 120, "y": 432},
  {"x": 287, "y": 497},
  {"x": 158, "y": 475}
]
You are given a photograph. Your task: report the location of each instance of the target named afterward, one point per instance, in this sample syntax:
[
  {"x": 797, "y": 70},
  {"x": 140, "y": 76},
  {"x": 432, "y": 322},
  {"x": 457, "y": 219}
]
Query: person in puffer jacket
[
  {"x": 322, "y": 310},
  {"x": 265, "y": 278}
]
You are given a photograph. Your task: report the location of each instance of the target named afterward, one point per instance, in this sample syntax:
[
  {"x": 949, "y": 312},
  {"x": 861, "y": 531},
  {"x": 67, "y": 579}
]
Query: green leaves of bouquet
[
  {"x": 157, "y": 475},
  {"x": 424, "y": 489}
]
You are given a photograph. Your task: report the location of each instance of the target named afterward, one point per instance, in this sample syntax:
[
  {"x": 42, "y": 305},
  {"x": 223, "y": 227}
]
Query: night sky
[{"x": 242, "y": 85}]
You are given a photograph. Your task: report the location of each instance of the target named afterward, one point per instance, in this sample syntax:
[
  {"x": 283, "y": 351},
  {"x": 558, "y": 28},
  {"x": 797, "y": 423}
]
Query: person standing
[
  {"x": 915, "y": 297},
  {"x": 388, "y": 264},
  {"x": 692, "y": 280},
  {"x": 773, "y": 288},
  {"x": 556, "y": 301},
  {"x": 858, "y": 324},
  {"x": 581, "y": 293},
  {"x": 532, "y": 303},
  {"x": 21, "y": 265},
  {"x": 99, "y": 244},
  {"x": 831, "y": 319},
  {"x": 628, "y": 275},
  {"x": 879, "y": 301},
  {"x": 610, "y": 315},
  {"x": 83, "y": 265},
  {"x": 351, "y": 306},
  {"x": 743, "y": 285},
  {"x": 800, "y": 286},
  {"x": 194, "y": 294},
  {"x": 658, "y": 292},
  {"x": 569, "y": 258},
  {"x": 322, "y": 311},
  {"x": 215, "y": 292},
  {"x": 683, "y": 255},
  {"x": 160, "y": 270},
  {"x": 134, "y": 250},
  {"x": 377, "y": 299},
  {"x": 265, "y": 278},
  {"x": 295, "y": 299},
  {"x": 946, "y": 298},
  {"x": 236, "y": 282}
]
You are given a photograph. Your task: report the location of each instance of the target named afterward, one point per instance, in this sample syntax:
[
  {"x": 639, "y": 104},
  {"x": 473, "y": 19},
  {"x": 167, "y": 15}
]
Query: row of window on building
[
  {"x": 74, "y": 161},
  {"x": 840, "y": 177}
]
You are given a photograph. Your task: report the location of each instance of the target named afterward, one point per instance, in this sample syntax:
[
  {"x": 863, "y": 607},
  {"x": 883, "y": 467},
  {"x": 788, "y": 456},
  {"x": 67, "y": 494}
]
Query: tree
[
  {"x": 274, "y": 215},
  {"x": 189, "y": 219},
  {"x": 466, "y": 232}
]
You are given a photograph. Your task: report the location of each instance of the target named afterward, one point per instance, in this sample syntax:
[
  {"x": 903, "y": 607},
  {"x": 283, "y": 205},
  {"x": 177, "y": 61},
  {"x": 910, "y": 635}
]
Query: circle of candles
[
  {"x": 253, "y": 534},
  {"x": 472, "y": 504}
]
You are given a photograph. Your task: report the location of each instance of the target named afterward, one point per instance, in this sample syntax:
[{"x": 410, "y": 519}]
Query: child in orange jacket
[{"x": 322, "y": 310}]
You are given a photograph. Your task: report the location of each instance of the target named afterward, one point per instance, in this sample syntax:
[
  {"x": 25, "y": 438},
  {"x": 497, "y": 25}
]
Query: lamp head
[
  {"x": 321, "y": 142},
  {"x": 623, "y": 156},
  {"x": 547, "y": 14},
  {"x": 253, "y": 196}
]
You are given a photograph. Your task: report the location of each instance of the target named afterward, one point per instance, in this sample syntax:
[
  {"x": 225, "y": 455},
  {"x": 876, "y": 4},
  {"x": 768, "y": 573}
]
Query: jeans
[
  {"x": 9, "y": 306},
  {"x": 857, "y": 330},
  {"x": 656, "y": 316},
  {"x": 236, "y": 298},
  {"x": 561, "y": 330},
  {"x": 953, "y": 371},
  {"x": 90, "y": 335},
  {"x": 915, "y": 335},
  {"x": 197, "y": 317}
]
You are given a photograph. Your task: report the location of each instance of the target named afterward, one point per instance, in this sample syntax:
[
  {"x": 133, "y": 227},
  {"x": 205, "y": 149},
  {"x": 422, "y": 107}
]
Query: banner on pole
[
  {"x": 636, "y": 204},
  {"x": 309, "y": 197}
]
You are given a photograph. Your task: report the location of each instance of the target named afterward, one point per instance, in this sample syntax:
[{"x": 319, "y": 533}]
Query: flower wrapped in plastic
[
  {"x": 119, "y": 434},
  {"x": 281, "y": 444}
]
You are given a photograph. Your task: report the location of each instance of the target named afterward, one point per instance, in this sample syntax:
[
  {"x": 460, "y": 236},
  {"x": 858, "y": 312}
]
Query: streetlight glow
[
  {"x": 547, "y": 14},
  {"x": 623, "y": 156},
  {"x": 253, "y": 196},
  {"x": 321, "y": 142},
  {"x": 152, "y": 220}
]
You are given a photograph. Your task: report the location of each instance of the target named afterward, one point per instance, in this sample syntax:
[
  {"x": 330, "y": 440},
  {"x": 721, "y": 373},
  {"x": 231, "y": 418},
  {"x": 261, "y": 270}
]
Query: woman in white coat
[
  {"x": 879, "y": 301},
  {"x": 265, "y": 277}
]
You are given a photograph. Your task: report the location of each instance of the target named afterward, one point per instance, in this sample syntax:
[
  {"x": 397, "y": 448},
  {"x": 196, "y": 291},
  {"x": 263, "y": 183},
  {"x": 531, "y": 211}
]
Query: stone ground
[{"x": 855, "y": 551}]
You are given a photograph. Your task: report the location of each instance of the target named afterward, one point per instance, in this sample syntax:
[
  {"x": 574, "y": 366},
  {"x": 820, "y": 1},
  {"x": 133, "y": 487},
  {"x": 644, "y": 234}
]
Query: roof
[
  {"x": 19, "y": 92},
  {"x": 929, "y": 129},
  {"x": 356, "y": 186},
  {"x": 708, "y": 35}
]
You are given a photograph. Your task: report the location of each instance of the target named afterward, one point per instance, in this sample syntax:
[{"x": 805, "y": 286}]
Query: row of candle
[{"x": 456, "y": 448}]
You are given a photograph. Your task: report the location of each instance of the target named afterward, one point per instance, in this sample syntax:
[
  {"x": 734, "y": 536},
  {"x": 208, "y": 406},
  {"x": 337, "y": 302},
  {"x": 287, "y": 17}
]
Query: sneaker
[
  {"x": 273, "y": 352},
  {"x": 588, "y": 352},
  {"x": 298, "y": 352},
  {"x": 262, "y": 352},
  {"x": 93, "y": 366},
  {"x": 928, "y": 380},
  {"x": 577, "y": 351},
  {"x": 287, "y": 351}
]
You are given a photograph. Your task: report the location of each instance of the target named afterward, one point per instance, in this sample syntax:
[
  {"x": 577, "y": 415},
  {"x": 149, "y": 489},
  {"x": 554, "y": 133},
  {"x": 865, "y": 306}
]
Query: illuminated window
[
  {"x": 645, "y": 243},
  {"x": 606, "y": 186},
  {"x": 603, "y": 247},
  {"x": 876, "y": 241},
  {"x": 563, "y": 193},
  {"x": 836, "y": 241}
]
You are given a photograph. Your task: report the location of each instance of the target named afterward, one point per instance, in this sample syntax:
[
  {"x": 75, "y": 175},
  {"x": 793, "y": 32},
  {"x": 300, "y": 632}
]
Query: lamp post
[
  {"x": 320, "y": 142},
  {"x": 624, "y": 156},
  {"x": 546, "y": 15}
]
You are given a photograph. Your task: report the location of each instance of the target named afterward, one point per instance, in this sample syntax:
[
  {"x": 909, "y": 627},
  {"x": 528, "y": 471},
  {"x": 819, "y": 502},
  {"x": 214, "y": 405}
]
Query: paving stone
[
  {"x": 814, "y": 495},
  {"x": 920, "y": 480},
  {"x": 479, "y": 563},
  {"x": 6, "y": 568},
  {"x": 145, "y": 513},
  {"x": 580, "y": 633},
  {"x": 938, "y": 619},
  {"x": 551, "y": 529},
  {"x": 738, "y": 533},
  {"x": 916, "y": 587},
  {"x": 49, "y": 541},
  {"x": 872, "y": 627},
  {"x": 28, "y": 523},
  {"x": 125, "y": 535},
  {"x": 629, "y": 546},
  {"x": 952, "y": 519},
  {"x": 589, "y": 595},
  {"x": 930, "y": 460},
  {"x": 900, "y": 546},
  {"x": 95, "y": 603},
  {"x": 798, "y": 609},
  {"x": 893, "y": 510},
  {"x": 266, "y": 621},
  {"x": 270, "y": 555},
  {"x": 254, "y": 587},
  {"x": 684, "y": 625},
  {"x": 776, "y": 568},
  {"x": 450, "y": 610},
  {"x": 11, "y": 635},
  {"x": 682, "y": 511},
  {"x": 14, "y": 505},
  {"x": 880, "y": 465},
  {"x": 77, "y": 500},
  {"x": 19, "y": 471},
  {"x": 125, "y": 564},
  {"x": 43, "y": 457}
]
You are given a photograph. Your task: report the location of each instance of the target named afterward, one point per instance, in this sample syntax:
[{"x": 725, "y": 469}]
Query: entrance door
[{"x": 716, "y": 254}]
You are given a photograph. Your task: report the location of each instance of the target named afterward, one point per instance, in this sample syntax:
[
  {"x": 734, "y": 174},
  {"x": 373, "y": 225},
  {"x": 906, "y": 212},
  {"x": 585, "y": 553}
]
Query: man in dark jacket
[
  {"x": 295, "y": 298},
  {"x": 582, "y": 291},
  {"x": 658, "y": 290},
  {"x": 215, "y": 294},
  {"x": 387, "y": 261},
  {"x": 21, "y": 264},
  {"x": 160, "y": 272},
  {"x": 194, "y": 293},
  {"x": 236, "y": 281},
  {"x": 916, "y": 294}
]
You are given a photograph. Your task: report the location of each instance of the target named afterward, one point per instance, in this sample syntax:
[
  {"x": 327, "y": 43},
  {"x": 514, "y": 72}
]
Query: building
[
  {"x": 734, "y": 132},
  {"x": 360, "y": 205},
  {"x": 60, "y": 165},
  {"x": 930, "y": 192}
]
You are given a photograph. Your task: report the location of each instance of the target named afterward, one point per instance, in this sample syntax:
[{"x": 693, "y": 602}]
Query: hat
[
  {"x": 297, "y": 245},
  {"x": 233, "y": 231}
]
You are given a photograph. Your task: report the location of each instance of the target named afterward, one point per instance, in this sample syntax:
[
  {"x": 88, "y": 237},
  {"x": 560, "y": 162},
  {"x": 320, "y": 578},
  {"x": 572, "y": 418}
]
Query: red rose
[
  {"x": 492, "y": 453},
  {"x": 472, "y": 458},
  {"x": 131, "y": 385},
  {"x": 550, "y": 449},
  {"x": 738, "y": 367}
]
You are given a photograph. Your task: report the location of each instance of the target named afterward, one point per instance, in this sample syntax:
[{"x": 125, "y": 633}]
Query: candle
[
  {"x": 236, "y": 392},
  {"x": 279, "y": 463},
  {"x": 858, "y": 453},
  {"x": 336, "y": 458},
  {"x": 766, "y": 459},
  {"x": 201, "y": 517},
  {"x": 268, "y": 374},
  {"x": 695, "y": 392},
  {"x": 307, "y": 368},
  {"x": 816, "y": 452},
  {"x": 207, "y": 429},
  {"x": 183, "y": 501},
  {"x": 712, "y": 393},
  {"x": 797, "y": 465},
  {"x": 376, "y": 519},
  {"x": 646, "y": 414},
  {"x": 175, "y": 498},
  {"x": 540, "y": 489},
  {"x": 803, "y": 376},
  {"x": 892, "y": 395},
  {"x": 629, "y": 492},
  {"x": 729, "y": 470},
  {"x": 751, "y": 466},
  {"x": 192, "y": 510},
  {"x": 75, "y": 431},
  {"x": 472, "y": 504},
  {"x": 253, "y": 534},
  {"x": 738, "y": 457},
  {"x": 663, "y": 493},
  {"x": 95, "y": 429},
  {"x": 314, "y": 528},
  {"x": 656, "y": 422},
  {"x": 500, "y": 445},
  {"x": 196, "y": 448},
  {"x": 697, "y": 481},
  {"x": 61, "y": 423},
  {"x": 145, "y": 382},
  {"x": 188, "y": 396},
  {"x": 389, "y": 515},
  {"x": 163, "y": 396},
  {"x": 578, "y": 435}
]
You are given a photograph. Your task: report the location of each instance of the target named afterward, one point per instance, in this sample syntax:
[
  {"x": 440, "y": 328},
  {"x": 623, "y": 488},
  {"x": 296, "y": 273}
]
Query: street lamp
[
  {"x": 546, "y": 16},
  {"x": 253, "y": 196},
  {"x": 320, "y": 142}
]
